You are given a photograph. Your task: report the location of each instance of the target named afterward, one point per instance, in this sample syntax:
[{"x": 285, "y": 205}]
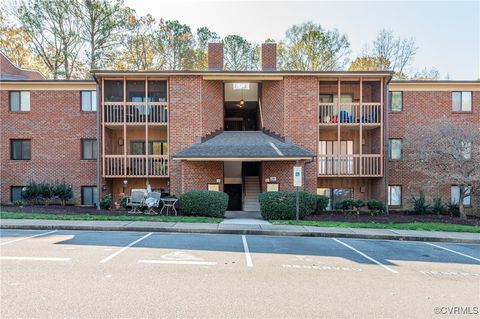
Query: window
[
  {"x": 19, "y": 101},
  {"x": 327, "y": 192},
  {"x": 395, "y": 195},
  {"x": 16, "y": 193},
  {"x": 461, "y": 101},
  {"x": 465, "y": 148},
  {"x": 89, "y": 195},
  {"x": 89, "y": 149},
  {"x": 396, "y": 101},
  {"x": 455, "y": 196},
  {"x": 155, "y": 148},
  {"x": 340, "y": 194},
  {"x": 395, "y": 149},
  {"x": 20, "y": 149},
  {"x": 88, "y": 101}
]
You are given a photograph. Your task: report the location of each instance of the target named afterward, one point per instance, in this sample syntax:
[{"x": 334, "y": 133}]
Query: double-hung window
[
  {"x": 455, "y": 196},
  {"x": 462, "y": 101},
  {"x": 19, "y": 101},
  {"x": 394, "y": 195},
  {"x": 396, "y": 101},
  {"x": 395, "y": 149},
  {"x": 89, "y": 149},
  {"x": 20, "y": 149},
  {"x": 88, "y": 101}
]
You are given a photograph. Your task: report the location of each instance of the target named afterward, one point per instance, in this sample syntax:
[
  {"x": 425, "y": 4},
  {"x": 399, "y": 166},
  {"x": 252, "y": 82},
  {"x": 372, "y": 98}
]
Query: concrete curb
[{"x": 246, "y": 232}]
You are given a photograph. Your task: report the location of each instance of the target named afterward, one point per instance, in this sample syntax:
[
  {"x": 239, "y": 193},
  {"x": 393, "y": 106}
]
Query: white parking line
[
  {"x": 247, "y": 252},
  {"x": 35, "y": 258},
  {"x": 453, "y": 251},
  {"x": 118, "y": 252},
  {"x": 366, "y": 256},
  {"x": 19, "y": 239},
  {"x": 176, "y": 262}
]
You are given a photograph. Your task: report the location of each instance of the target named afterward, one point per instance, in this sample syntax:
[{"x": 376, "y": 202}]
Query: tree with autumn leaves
[{"x": 68, "y": 38}]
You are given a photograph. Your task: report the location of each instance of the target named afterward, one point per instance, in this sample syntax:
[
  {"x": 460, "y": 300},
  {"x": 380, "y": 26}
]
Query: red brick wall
[
  {"x": 196, "y": 175},
  {"x": 55, "y": 126},
  {"x": 273, "y": 106},
  {"x": 212, "y": 106},
  {"x": 185, "y": 121},
  {"x": 215, "y": 56},
  {"x": 268, "y": 56},
  {"x": 420, "y": 108},
  {"x": 301, "y": 119},
  {"x": 282, "y": 170}
]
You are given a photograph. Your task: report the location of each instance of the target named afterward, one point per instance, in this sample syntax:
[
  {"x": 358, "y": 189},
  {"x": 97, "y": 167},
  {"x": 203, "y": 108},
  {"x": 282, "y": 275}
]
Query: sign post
[{"x": 297, "y": 182}]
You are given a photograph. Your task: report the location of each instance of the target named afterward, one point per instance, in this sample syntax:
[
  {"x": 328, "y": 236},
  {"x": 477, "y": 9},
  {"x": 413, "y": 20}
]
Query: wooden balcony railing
[
  {"x": 136, "y": 166},
  {"x": 350, "y": 165},
  {"x": 350, "y": 113},
  {"x": 135, "y": 112}
]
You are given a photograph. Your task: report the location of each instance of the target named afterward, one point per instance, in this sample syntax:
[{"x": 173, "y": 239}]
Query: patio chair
[
  {"x": 152, "y": 202},
  {"x": 136, "y": 201}
]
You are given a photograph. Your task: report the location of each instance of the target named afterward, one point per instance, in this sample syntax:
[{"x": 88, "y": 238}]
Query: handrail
[{"x": 261, "y": 113}]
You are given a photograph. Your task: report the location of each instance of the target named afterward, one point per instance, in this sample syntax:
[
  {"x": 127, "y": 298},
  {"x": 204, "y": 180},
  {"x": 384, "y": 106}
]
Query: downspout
[
  {"x": 304, "y": 172},
  {"x": 97, "y": 199},
  {"x": 386, "y": 115}
]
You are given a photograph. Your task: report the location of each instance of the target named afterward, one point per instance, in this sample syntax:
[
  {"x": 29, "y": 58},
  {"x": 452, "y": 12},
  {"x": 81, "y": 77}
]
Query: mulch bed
[{"x": 394, "y": 218}]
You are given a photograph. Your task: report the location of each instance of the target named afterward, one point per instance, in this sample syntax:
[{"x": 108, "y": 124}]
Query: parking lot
[{"x": 87, "y": 274}]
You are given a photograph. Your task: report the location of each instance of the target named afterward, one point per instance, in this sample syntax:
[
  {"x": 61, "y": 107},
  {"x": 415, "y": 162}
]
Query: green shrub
[
  {"x": 420, "y": 205},
  {"x": 350, "y": 204},
  {"x": 123, "y": 202},
  {"x": 45, "y": 192},
  {"x": 376, "y": 205},
  {"x": 19, "y": 203},
  {"x": 106, "y": 201},
  {"x": 453, "y": 209},
  {"x": 62, "y": 191},
  {"x": 203, "y": 203},
  {"x": 282, "y": 205},
  {"x": 322, "y": 203},
  {"x": 438, "y": 207},
  {"x": 31, "y": 193}
]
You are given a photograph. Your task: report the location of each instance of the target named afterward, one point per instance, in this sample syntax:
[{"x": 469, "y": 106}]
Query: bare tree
[
  {"x": 390, "y": 53},
  {"x": 447, "y": 153},
  {"x": 53, "y": 29}
]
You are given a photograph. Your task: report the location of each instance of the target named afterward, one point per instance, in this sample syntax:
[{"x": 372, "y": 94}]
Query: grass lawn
[
  {"x": 408, "y": 226},
  {"x": 182, "y": 219}
]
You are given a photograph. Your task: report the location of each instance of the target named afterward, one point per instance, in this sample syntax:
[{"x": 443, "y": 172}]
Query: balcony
[
  {"x": 135, "y": 166},
  {"x": 350, "y": 113},
  {"x": 354, "y": 165},
  {"x": 118, "y": 113}
]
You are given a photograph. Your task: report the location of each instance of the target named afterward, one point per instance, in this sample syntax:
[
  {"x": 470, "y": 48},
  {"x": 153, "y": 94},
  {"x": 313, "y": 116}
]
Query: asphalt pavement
[{"x": 100, "y": 274}]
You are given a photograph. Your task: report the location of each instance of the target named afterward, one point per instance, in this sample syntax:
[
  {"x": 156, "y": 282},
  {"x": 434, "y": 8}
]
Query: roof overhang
[
  {"x": 243, "y": 146},
  {"x": 241, "y": 159},
  {"x": 434, "y": 86},
  {"x": 48, "y": 85}
]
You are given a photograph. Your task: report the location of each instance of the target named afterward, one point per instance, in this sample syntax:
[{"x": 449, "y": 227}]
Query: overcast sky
[{"x": 447, "y": 32}]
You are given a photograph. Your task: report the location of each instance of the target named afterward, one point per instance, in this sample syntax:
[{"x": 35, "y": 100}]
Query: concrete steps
[{"x": 251, "y": 185}]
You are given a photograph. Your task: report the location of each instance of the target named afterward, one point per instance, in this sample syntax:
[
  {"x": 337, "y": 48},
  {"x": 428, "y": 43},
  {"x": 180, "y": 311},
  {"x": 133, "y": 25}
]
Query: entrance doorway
[{"x": 234, "y": 192}]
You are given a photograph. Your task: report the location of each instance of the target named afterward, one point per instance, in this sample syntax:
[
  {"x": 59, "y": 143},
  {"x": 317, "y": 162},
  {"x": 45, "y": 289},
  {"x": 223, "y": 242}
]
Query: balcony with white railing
[
  {"x": 349, "y": 113},
  {"x": 135, "y": 166},
  {"x": 135, "y": 113},
  {"x": 354, "y": 165}
]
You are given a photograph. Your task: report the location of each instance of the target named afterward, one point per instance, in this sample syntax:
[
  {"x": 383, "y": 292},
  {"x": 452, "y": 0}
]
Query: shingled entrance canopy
[{"x": 247, "y": 146}]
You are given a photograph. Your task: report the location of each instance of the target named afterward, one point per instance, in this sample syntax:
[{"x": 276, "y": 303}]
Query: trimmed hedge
[
  {"x": 203, "y": 203},
  {"x": 322, "y": 203},
  {"x": 282, "y": 205}
]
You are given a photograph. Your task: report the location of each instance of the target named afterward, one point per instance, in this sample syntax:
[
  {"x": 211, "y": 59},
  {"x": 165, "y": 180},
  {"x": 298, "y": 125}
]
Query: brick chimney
[
  {"x": 268, "y": 57},
  {"x": 215, "y": 56}
]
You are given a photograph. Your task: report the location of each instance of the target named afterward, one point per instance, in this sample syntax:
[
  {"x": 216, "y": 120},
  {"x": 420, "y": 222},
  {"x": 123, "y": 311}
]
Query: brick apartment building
[{"x": 237, "y": 132}]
